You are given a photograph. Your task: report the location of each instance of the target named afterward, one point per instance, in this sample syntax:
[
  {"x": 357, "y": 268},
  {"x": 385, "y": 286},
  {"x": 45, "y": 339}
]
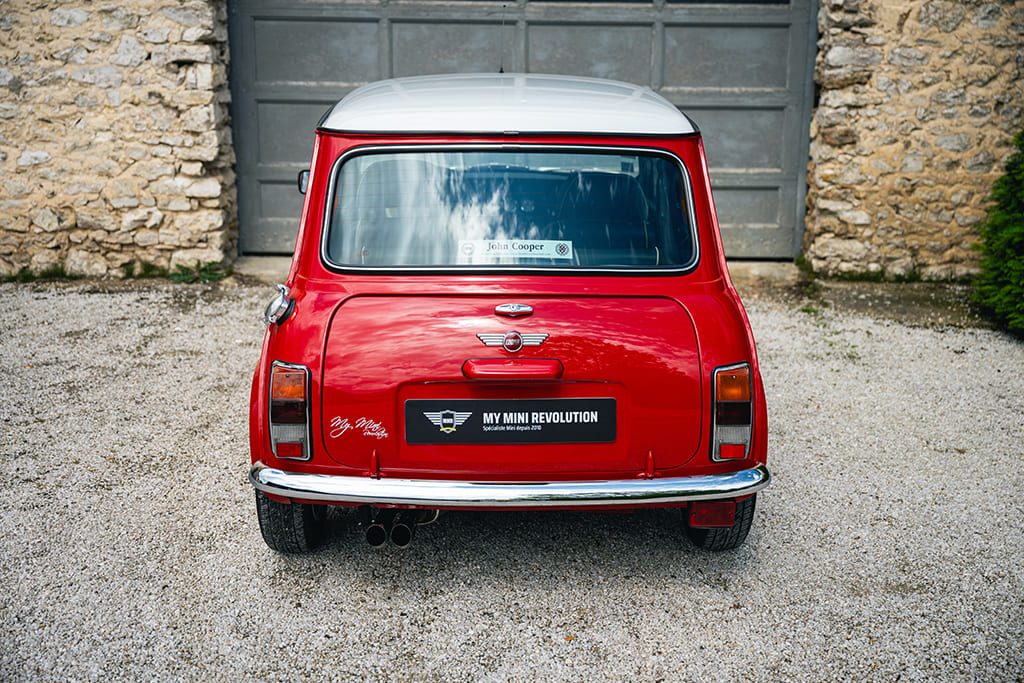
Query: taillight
[
  {"x": 289, "y": 411},
  {"x": 733, "y": 412}
]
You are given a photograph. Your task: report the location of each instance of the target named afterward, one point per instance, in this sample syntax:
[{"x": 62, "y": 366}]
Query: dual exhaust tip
[{"x": 400, "y": 527}]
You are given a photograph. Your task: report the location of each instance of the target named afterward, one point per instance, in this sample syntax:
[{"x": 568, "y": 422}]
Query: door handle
[{"x": 513, "y": 368}]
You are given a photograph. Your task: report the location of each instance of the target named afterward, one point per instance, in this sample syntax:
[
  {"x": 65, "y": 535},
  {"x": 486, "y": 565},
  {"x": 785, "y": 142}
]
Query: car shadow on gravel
[{"x": 534, "y": 546}]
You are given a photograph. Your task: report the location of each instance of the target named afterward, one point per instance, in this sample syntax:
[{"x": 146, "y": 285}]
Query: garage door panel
[
  {"x": 741, "y": 70},
  {"x": 280, "y": 200},
  {"x": 742, "y": 206},
  {"x": 738, "y": 56},
  {"x": 285, "y": 130},
  {"x": 434, "y": 48},
  {"x": 742, "y": 138},
  {"x": 274, "y": 236},
  {"x": 752, "y": 242},
  {"x": 617, "y": 52},
  {"x": 316, "y": 51}
]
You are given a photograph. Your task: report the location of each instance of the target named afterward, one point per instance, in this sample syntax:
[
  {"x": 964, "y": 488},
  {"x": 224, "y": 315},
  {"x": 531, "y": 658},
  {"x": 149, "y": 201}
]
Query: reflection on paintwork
[{"x": 604, "y": 352}]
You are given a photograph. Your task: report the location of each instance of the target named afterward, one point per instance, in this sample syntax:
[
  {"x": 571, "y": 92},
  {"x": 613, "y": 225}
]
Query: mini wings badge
[
  {"x": 512, "y": 341},
  {"x": 447, "y": 420}
]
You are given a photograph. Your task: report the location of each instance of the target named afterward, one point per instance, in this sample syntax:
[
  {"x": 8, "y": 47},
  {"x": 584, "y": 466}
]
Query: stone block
[
  {"x": 908, "y": 56},
  {"x": 46, "y": 219},
  {"x": 200, "y": 34},
  {"x": 151, "y": 170},
  {"x": 855, "y": 217},
  {"x": 833, "y": 206},
  {"x": 43, "y": 260},
  {"x": 204, "y": 187},
  {"x": 184, "y": 54},
  {"x": 200, "y": 119},
  {"x": 82, "y": 262},
  {"x": 174, "y": 203},
  {"x": 33, "y": 157},
  {"x": 949, "y": 97},
  {"x": 965, "y": 218},
  {"x": 76, "y": 54},
  {"x": 912, "y": 163},
  {"x": 981, "y": 162},
  {"x": 959, "y": 142},
  {"x": 192, "y": 14},
  {"x": 842, "y": 55},
  {"x": 149, "y": 217},
  {"x": 129, "y": 52},
  {"x": 119, "y": 18},
  {"x": 155, "y": 35},
  {"x": 83, "y": 187},
  {"x": 101, "y": 76},
  {"x": 172, "y": 237},
  {"x": 946, "y": 16},
  {"x": 987, "y": 16},
  {"x": 839, "y": 136},
  {"x": 201, "y": 222},
  {"x": 194, "y": 258},
  {"x": 192, "y": 168},
  {"x": 146, "y": 238},
  {"x": 68, "y": 17}
]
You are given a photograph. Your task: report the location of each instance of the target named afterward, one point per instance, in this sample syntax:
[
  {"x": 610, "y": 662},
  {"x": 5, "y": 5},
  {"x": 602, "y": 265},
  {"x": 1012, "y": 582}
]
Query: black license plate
[{"x": 519, "y": 421}]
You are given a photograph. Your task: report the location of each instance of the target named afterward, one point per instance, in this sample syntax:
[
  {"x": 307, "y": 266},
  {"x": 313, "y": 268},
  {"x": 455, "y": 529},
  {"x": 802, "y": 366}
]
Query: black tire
[
  {"x": 724, "y": 538},
  {"x": 290, "y": 527}
]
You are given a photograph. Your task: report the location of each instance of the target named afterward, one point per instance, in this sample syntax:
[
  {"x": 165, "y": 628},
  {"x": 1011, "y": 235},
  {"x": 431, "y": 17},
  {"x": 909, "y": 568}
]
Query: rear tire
[
  {"x": 724, "y": 538},
  {"x": 290, "y": 527}
]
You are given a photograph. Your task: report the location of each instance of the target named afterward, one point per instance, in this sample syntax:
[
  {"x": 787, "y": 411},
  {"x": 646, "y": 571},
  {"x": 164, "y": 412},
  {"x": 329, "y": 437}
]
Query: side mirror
[{"x": 303, "y": 181}]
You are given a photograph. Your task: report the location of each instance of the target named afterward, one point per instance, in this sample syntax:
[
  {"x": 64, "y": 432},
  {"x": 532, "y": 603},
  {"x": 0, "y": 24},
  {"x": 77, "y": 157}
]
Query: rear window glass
[{"x": 510, "y": 208}]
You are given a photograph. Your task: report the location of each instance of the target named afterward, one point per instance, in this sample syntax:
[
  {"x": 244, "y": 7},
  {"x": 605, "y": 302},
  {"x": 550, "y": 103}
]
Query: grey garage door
[{"x": 742, "y": 71}]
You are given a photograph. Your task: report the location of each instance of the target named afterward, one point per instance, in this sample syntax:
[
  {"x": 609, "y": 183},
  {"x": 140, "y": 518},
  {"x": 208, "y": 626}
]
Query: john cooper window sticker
[{"x": 495, "y": 251}]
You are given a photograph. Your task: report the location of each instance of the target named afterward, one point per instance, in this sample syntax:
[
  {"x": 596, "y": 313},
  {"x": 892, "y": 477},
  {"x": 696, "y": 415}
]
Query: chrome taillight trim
[
  {"x": 714, "y": 411},
  {"x": 307, "y": 451}
]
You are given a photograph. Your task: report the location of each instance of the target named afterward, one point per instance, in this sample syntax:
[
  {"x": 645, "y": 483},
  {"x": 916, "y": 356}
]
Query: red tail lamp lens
[
  {"x": 290, "y": 449},
  {"x": 732, "y": 451},
  {"x": 712, "y": 513}
]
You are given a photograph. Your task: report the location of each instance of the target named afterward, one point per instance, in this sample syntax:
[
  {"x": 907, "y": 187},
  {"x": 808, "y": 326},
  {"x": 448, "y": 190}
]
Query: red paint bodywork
[{"x": 656, "y": 358}]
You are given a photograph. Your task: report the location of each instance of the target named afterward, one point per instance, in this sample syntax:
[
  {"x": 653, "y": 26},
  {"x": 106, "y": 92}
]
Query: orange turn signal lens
[
  {"x": 288, "y": 384},
  {"x": 733, "y": 384}
]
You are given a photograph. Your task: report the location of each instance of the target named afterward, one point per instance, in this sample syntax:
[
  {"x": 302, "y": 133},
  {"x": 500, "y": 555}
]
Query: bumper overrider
[{"x": 443, "y": 493}]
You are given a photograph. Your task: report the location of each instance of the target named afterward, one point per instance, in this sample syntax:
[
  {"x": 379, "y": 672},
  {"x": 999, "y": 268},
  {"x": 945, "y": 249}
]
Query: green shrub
[
  {"x": 999, "y": 287},
  {"x": 52, "y": 273},
  {"x": 208, "y": 272}
]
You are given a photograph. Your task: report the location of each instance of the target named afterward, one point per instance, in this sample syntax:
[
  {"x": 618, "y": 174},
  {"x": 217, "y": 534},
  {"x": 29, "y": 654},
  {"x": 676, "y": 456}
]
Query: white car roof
[{"x": 506, "y": 103}]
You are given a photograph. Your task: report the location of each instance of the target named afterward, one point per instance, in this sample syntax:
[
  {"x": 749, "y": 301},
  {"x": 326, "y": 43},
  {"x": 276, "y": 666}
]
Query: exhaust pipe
[
  {"x": 403, "y": 530},
  {"x": 376, "y": 534},
  {"x": 379, "y": 529}
]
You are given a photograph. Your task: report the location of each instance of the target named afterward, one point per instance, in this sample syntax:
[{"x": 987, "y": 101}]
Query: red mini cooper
[{"x": 508, "y": 293}]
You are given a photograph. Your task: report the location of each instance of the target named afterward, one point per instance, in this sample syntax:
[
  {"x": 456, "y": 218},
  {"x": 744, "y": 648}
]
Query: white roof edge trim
[{"x": 506, "y": 103}]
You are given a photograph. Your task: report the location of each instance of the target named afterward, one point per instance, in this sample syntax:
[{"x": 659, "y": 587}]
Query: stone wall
[
  {"x": 115, "y": 143},
  {"x": 919, "y": 101},
  {"x": 115, "y": 147}
]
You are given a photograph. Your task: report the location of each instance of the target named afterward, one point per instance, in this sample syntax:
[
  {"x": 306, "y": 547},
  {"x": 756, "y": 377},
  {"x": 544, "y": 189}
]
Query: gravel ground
[{"x": 889, "y": 545}]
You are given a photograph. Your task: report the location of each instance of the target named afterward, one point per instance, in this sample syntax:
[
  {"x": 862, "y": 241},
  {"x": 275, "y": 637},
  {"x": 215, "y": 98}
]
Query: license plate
[{"x": 518, "y": 421}]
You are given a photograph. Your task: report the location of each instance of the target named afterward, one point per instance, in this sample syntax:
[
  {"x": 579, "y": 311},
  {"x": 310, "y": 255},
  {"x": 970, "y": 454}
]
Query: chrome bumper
[{"x": 434, "y": 493}]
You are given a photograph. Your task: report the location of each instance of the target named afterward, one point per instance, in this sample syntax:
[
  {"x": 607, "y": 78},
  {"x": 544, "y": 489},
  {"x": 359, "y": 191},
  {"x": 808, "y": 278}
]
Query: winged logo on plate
[
  {"x": 512, "y": 341},
  {"x": 447, "y": 420}
]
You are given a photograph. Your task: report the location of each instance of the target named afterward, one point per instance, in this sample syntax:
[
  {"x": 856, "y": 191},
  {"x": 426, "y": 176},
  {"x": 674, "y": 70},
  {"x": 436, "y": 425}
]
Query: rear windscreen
[{"x": 510, "y": 208}]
